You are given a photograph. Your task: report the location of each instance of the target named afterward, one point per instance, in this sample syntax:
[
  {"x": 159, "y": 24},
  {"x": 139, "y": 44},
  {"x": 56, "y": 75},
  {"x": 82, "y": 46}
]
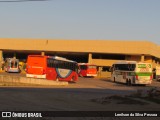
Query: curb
[{"x": 16, "y": 80}]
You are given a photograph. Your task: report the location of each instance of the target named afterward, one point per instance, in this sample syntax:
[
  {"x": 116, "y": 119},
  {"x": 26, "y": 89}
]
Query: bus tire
[
  {"x": 72, "y": 79},
  {"x": 127, "y": 82},
  {"x": 114, "y": 79}
]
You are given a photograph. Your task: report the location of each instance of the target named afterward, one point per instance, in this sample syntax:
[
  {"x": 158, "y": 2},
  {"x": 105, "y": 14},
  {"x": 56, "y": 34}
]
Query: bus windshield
[
  {"x": 14, "y": 64},
  {"x": 11, "y": 65},
  {"x": 125, "y": 67}
]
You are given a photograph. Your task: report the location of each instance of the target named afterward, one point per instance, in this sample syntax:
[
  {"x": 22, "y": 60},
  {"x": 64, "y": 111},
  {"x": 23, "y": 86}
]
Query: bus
[
  {"x": 87, "y": 70},
  {"x": 11, "y": 65},
  {"x": 51, "y": 68},
  {"x": 157, "y": 73},
  {"x": 132, "y": 72}
]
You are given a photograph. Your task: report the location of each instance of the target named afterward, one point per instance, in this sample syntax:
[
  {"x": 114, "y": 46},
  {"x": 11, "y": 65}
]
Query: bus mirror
[{"x": 110, "y": 69}]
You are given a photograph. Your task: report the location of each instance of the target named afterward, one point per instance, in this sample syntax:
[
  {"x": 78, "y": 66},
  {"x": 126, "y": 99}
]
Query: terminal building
[{"x": 102, "y": 53}]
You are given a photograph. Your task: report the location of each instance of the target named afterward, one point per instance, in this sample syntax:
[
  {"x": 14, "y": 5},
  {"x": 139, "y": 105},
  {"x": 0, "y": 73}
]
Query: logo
[
  {"x": 149, "y": 65},
  {"x": 63, "y": 73},
  {"x": 141, "y": 65},
  {"x": 20, "y": 114},
  {"x": 6, "y": 114}
]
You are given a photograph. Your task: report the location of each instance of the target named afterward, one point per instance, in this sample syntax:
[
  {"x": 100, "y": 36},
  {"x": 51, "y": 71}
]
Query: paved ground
[{"x": 75, "y": 96}]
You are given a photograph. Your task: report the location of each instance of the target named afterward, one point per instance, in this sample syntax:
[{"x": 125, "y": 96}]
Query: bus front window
[{"x": 14, "y": 64}]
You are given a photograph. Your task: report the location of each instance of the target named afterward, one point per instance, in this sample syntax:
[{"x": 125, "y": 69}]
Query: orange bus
[
  {"x": 51, "y": 68},
  {"x": 86, "y": 69}
]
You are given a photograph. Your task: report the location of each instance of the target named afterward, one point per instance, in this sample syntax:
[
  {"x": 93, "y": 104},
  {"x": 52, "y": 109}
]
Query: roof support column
[
  {"x": 1, "y": 59},
  {"x": 142, "y": 58},
  {"x": 90, "y": 58},
  {"x": 43, "y": 53},
  {"x": 158, "y": 62},
  {"x": 14, "y": 56}
]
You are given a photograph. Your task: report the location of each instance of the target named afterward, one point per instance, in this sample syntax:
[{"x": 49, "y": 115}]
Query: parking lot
[{"x": 75, "y": 96}]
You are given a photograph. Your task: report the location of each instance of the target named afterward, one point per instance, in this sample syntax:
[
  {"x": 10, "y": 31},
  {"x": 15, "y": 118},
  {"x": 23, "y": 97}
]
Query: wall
[
  {"x": 89, "y": 46},
  {"x": 103, "y": 62}
]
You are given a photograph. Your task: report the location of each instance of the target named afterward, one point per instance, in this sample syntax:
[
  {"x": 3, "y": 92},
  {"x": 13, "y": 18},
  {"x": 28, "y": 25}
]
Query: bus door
[
  {"x": 50, "y": 70},
  {"x": 118, "y": 75},
  {"x": 14, "y": 64},
  {"x": 51, "y": 74},
  {"x": 157, "y": 73}
]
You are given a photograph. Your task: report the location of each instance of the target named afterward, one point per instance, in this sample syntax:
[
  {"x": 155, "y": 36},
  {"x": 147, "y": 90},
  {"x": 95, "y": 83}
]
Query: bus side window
[
  {"x": 73, "y": 66},
  {"x": 131, "y": 67},
  {"x": 70, "y": 66},
  {"x": 115, "y": 67},
  {"x": 56, "y": 64},
  {"x": 80, "y": 67},
  {"x": 48, "y": 62},
  {"x": 16, "y": 64},
  {"x": 66, "y": 65}
]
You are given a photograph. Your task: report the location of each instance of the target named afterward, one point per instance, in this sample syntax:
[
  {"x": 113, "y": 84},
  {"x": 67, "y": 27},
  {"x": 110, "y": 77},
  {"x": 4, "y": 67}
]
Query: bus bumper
[
  {"x": 13, "y": 71},
  {"x": 94, "y": 75},
  {"x": 145, "y": 82},
  {"x": 35, "y": 76}
]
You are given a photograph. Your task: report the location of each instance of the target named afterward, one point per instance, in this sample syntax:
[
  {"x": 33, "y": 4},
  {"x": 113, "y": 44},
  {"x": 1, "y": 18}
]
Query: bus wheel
[
  {"x": 72, "y": 80},
  {"x": 127, "y": 82}
]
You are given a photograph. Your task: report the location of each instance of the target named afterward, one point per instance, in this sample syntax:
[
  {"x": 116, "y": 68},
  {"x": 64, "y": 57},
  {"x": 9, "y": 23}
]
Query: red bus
[
  {"x": 51, "y": 68},
  {"x": 86, "y": 69}
]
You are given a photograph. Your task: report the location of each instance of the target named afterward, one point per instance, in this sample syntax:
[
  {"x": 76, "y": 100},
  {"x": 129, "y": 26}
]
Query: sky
[{"x": 81, "y": 19}]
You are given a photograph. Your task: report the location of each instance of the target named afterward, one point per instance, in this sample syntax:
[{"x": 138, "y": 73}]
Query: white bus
[
  {"x": 158, "y": 73},
  {"x": 11, "y": 65},
  {"x": 131, "y": 72}
]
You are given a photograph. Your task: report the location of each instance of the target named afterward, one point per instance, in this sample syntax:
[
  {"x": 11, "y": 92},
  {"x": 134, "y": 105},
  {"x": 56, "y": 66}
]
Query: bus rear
[
  {"x": 158, "y": 73},
  {"x": 12, "y": 65},
  {"x": 143, "y": 73},
  {"x": 88, "y": 70},
  {"x": 36, "y": 66}
]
